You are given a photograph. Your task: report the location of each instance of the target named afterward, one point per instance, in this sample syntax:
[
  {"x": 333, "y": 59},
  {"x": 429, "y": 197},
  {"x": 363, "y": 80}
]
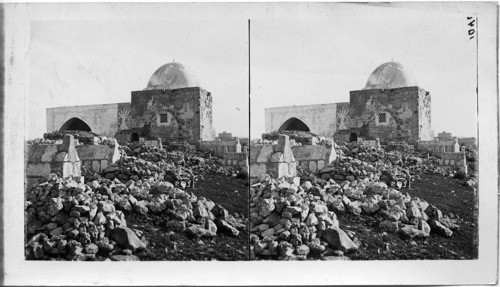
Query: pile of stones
[
  {"x": 67, "y": 219},
  {"x": 139, "y": 161},
  {"x": 185, "y": 212},
  {"x": 83, "y": 138},
  {"x": 71, "y": 220},
  {"x": 299, "y": 222},
  {"x": 41, "y": 141},
  {"x": 288, "y": 222},
  {"x": 397, "y": 169}
]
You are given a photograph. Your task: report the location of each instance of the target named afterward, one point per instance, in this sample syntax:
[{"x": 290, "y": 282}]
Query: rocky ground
[
  {"x": 167, "y": 245},
  {"x": 450, "y": 196},
  {"x": 174, "y": 203},
  {"x": 371, "y": 204},
  {"x": 169, "y": 203}
]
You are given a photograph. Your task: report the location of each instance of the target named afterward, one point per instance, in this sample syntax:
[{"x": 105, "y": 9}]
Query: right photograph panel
[{"x": 364, "y": 134}]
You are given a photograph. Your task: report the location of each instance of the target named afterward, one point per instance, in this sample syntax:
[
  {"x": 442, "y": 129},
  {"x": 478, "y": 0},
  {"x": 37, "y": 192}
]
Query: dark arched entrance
[
  {"x": 353, "y": 137},
  {"x": 134, "y": 137},
  {"x": 294, "y": 124},
  {"x": 75, "y": 124}
]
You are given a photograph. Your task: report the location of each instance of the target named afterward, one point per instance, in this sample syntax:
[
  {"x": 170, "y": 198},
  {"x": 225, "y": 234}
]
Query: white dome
[
  {"x": 389, "y": 76},
  {"x": 172, "y": 76}
]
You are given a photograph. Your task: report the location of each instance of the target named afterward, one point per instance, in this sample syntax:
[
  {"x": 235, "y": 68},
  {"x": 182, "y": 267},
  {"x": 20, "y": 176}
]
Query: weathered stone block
[
  {"x": 96, "y": 166},
  {"x": 321, "y": 164},
  {"x": 50, "y": 153},
  {"x": 38, "y": 169},
  {"x": 104, "y": 164},
  {"x": 312, "y": 166}
]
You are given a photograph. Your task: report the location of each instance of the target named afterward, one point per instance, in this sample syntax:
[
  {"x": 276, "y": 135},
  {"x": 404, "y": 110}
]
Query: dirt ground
[
  {"x": 164, "y": 244},
  {"x": 447, "y": 194}
]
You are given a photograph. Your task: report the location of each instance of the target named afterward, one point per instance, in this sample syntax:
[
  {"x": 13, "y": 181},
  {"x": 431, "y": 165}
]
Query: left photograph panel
[{"x": 137, "y": 138}]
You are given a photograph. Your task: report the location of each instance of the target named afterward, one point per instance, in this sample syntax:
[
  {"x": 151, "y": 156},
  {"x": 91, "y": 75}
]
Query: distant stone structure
[
  {"x": 237, "y": 159},
  {"x": 391, "y": 107},
  {"x": 453, "y": 161},
  {"x": 445, "y": 143},
  {"x": 440, "y": 146},
  {"x": 444, "y": 136},
  {"x": 225, "y": 136},
  {"x": 171, "y": 107}
]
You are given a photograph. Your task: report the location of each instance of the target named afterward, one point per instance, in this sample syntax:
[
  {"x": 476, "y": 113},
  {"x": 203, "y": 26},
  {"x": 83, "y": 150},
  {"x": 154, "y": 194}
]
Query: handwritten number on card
[{"x": 472, "y": 25}]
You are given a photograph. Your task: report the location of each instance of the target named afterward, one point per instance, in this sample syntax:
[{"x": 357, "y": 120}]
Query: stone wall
[
  {"x": 320, "y": 119},
  {"x": 312, "y": 158},
  {"x": 220, "y": 147},
  {"x": 44, "y": 159},
  {"x": 236, "y": 160},
  {"x": 151, "y": 143},
  {"x": 424, "y": 116},
  {"x": 401, "y": 114},
  {"x": 207, "y": 131},
  {"x": 370, "y": 143},
  {"x": 102, "y": 119},
  {"x": 437, "y": 146},
  {"x": 453, "y": 161},
  {"x": 174, "y": 115},
  {"x": 467, "y": 141},
  {"x": 276, "y": 160},
  {"x": 98, "y": 157}
]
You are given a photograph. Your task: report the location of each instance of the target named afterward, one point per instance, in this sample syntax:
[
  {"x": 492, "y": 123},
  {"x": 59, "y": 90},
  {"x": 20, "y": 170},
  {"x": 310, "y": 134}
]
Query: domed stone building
[
  {"x": 173, "y": 107},
  {"x": 391, "y": 107}
]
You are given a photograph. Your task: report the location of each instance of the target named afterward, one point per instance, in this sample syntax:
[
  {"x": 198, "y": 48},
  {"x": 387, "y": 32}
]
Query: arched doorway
[
  {"x": 353, "y": 137},
  {"x": 75, "y": 124},
  {"x": 134, "y": 137},
  {"x": 294, "y": 124}
]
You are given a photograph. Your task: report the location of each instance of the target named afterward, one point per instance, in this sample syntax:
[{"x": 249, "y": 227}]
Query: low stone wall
[
  {"x": 236, "y": 160},
  {"x": 439, "y": 146},
  {"x": 371, "y": 143},
  {"x": 399, "y": 146},
  {"x": 44, "y": 159},
  {"x": 314, "y": 157},
  {"x": 220, "y": 147},
  {"x": 276, "y": 160},
  {"x": 453, "y": 160},
  {"x": 98, "y": 157},
  {"x": 151, "y": 143}
]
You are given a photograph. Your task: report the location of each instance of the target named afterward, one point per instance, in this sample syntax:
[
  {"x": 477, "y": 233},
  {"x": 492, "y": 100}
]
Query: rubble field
[
  {"x": 371, "y": 203},
  {"x": 170, "y": 203}
]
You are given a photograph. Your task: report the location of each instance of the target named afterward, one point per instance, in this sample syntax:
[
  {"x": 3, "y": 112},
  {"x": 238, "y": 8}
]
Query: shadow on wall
[
  {"x": 75, "y": 124},
  {"x": 134, "y": 137},
  {"x": 294, "y": 124},
  {"x": 353, "y": 137}
]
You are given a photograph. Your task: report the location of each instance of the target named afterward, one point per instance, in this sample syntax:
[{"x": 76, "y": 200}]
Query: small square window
[
  {"x": 382, "y": 118},
  {"x": 163, "y": 118}
]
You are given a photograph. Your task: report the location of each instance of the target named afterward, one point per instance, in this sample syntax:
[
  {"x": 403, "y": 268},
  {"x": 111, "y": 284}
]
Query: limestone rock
[
  {"x": 224, "y": 227},
  {"x": 198, "y": 231},
  {"x": 337, "y": 238},
  {"x": 439, "y": 228},
  {"x": 127, "y": 238}
]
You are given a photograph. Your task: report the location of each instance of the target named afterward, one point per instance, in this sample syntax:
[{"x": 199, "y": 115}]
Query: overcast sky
[{"x": 309, "y": 53}]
